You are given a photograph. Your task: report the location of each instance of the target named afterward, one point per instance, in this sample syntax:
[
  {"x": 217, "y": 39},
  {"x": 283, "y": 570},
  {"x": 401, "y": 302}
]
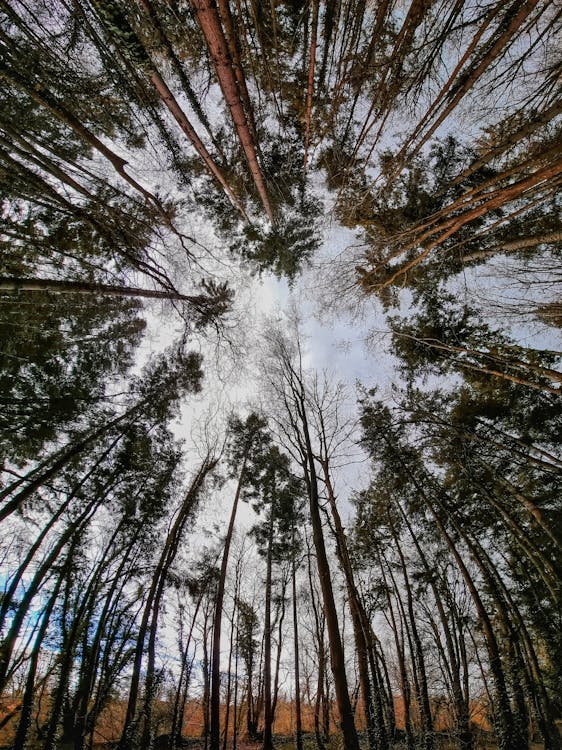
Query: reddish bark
[
  {"x": 230, "y": 34},
  {"x": 179, "y": 115},
  {"x": 212, "y": 29}
]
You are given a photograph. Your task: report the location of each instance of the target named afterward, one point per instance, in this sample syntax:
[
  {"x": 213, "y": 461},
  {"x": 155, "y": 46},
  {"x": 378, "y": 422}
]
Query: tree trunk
[
  {"x": 183, "y": 683},
  {"x": 268, "y": 717},
  {"x": 281, "y": 618},
  {"x": 319, "y": 633},
  {"x": 504, "y": 716},
  {"x": 461, "y": 702},
  {"x": 294, "y": 394},
  {"x": 27, "y": 700},
  {"x": 399, "y": 644},
  {"x": 211, "y": 27},
  {"x": 310, "y": 87},
  {"x": 62, "y": 286},
  {"x": 233, "y": 46},
  {"x": 180, "y": 117},
  {"x": 298, "y": 713},
  {"x": 230, "y": 654},
  {"x": 15, "y": 579},
  {"x": 375, "y": 732},
  {"x": 72, "y": 531},
  {"x": 178, "y": 69},
  {"x": 89, "y": 673},
  {"x": 43, "y": 97},
  {"x": 347, "y": 721},
  {"x": 417, "y": 654},
  {"x": 149, "y": 622},
  {"x": 41, "y": 475},
  {"x": 215, "y": 663}
]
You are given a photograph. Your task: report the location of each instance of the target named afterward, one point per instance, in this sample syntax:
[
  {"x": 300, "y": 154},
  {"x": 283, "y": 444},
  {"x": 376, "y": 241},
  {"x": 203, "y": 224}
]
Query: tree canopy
[{"x": 280, "y": 383}]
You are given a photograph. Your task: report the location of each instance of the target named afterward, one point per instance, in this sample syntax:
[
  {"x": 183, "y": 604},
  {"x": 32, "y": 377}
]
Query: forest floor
[{"x": 286, "y": 742}]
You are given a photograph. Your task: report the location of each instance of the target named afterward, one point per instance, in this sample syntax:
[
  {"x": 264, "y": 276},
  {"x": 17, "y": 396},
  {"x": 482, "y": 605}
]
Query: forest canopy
[{"x": 280, "y": 385}]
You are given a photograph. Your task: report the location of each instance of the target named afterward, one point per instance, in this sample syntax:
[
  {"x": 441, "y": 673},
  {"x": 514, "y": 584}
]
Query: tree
[
  {"x": 211, "y": 26},
  {"x": 285, "y": 374},
  {"x": 425, "y": 494},
  {"x": 149, "y": 623},
  {"x": 278, "y": 491},
  {"x": 202, "y": 308},
  {"x": 248, "y": 440}
]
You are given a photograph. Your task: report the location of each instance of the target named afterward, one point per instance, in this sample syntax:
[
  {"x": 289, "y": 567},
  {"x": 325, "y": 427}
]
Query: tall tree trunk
[
  {"x": 375, "y": 733},
  {"x": 206, "y": 675},
  {"x": 320, "y": 652},
  {"x": 149, "y": 622},
  {"x": 520, "y": 642},
  {"x": 310, "y": 87},
  {"x": 461, "y": 701},
  {"x": 60, "y": 725},
  {"x": 211, "y": 27},
  {"x": 183, "y": 682},
  {"x": 10, "y": 592},
  {"x": 85, "y": 690},
  {"x": 215, "y": 663},
  {"x": 403, "y": 675},
  {"x": 347, "y": 721},
  {"x": 230, "y": 654},
  {"x": 181, "y": 118},
  {"x": 43, "y": 97},
  {"x": 294, "y": 394},
  {"x": 71, "y": 532},
  {"x": 279, "y": 649},
  {"x": 235, "y": 702},
  {"x": 233, "y": 46},
  {"x": 298, "y": 712},
  {"x": 417, "y": 655},
  {"x": 504, "y": 717},
  {"x": 178, "y": 69},
  {"x": 22, "y": 731},
  {"x": 198, "y": 304},
  {"x": 267, "y": 628}
]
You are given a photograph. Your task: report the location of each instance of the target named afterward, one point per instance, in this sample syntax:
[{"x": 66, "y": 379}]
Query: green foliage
[
  {"x": 248, "y": 439},
  {"x": 447, "y": 336},
  {"x": 472, "y": 454},
  {"x": 115, "y": 19},
  {"x": 279, "y": 498},
  {"x": 91, "y": 470},
  {"x": 247, "y": 634},
  {"x": 284, "y": 248},
  {"x": 59, "y": 358}
]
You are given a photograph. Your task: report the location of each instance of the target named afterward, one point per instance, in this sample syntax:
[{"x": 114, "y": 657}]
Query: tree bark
[
  {"x": 298, "y": 712},
  {"x": 43, "y": 97},
  {"x": 347, "y": 721},
  {"x": 375, "y": 732},
  {"x": 425, "y": 706},
  {"x": 211, "y": 27},
  {"x": 149, "y": 622},
  {"x": 267, "y": 628},
  {"x": 461, "y": 701},
  {"x": 310, "y": 87},
  {"x": 180, "y": 117},
  {"x": 215, "y": 659}
]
